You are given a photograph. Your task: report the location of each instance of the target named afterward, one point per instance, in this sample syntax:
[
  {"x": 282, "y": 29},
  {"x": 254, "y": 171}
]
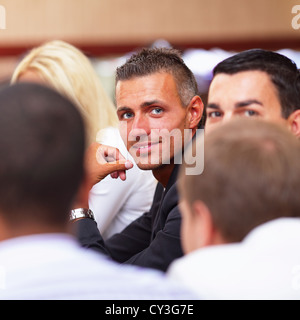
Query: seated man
[
  {"x": 255, "y": 83},
  {"x": 241, "y": 217},
  {"x": 41, "y": 170},
  {"x": 159, "y": 112}
]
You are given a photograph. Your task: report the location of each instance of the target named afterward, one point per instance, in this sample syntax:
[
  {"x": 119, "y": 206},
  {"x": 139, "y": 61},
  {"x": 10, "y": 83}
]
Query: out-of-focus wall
[
  {"x": 115, "y": 27},
  {"x": 116, "y": 22}
]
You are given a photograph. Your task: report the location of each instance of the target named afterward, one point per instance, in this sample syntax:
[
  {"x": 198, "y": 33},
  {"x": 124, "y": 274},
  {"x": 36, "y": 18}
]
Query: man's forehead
[
  {"x": 155, "y": 86},
  {"x": 156, "y": 77},
  {"x": 251, "y": 82},
  {"x": 243, "y": 89},
  {"x": 247, "y": 75}
]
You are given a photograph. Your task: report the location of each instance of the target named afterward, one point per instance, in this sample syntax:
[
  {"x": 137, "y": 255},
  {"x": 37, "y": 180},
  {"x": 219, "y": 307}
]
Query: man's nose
[
  {"x": 140, "y": 126},
  {"x": 227, "y": 117}
]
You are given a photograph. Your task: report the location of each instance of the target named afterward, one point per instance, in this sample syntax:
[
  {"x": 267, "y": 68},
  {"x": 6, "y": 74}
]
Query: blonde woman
[{"x": 60, "y": 65}]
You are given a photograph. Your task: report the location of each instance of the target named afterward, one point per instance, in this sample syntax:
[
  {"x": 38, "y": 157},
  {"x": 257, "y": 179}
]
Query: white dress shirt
[
  {"x": 53, "y": 266},
  {"x": 265, "y": 265}
]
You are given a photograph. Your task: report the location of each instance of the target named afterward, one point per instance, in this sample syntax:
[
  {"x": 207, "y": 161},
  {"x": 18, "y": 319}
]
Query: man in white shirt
[
  {"x": 241, "y": 217},
  {"x": 41, "y": 171}
]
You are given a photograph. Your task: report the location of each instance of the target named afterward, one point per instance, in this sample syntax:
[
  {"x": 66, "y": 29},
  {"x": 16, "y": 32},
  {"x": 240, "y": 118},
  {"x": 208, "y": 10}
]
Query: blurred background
[{"x": 108, "y": 31}]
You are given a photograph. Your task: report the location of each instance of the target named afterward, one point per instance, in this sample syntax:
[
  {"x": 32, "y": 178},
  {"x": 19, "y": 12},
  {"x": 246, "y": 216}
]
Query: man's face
[
  {"x": 247, "y": 94},
  {"x": 149, "y": 109}
]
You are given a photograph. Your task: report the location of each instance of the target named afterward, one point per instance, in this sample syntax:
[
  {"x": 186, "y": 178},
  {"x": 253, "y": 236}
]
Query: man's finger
[
  {"x": 121, "y": 165},
  {"x": 108, "y": 154}
]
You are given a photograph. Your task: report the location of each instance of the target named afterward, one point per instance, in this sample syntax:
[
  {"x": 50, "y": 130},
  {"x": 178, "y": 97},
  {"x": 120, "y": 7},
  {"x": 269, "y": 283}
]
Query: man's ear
[
  {"x": 195, "y": 112},
  {"x": 205, "y": 226},
  {"x": 294, "y": 123},
  {"x": 208, "y": 232}
]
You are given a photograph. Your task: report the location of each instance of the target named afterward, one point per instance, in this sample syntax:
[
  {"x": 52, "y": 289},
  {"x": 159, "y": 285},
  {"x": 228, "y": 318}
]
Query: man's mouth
[{"x": 144, "y": 148}]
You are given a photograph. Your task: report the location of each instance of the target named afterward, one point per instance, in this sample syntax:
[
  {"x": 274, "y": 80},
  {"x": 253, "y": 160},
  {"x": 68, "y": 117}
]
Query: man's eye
[
  {"x": 127, "y": 115},
  {"x": 214, "y": 114},
  {"x": 156, "y": 111},
  {"x": 250, "y": 113}
]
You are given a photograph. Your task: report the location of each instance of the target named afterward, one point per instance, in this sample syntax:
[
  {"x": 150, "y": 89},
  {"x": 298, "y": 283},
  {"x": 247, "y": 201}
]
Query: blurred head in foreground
[
  {"x": 251, "y": 176},
  {"x": 41, "y": 164}
]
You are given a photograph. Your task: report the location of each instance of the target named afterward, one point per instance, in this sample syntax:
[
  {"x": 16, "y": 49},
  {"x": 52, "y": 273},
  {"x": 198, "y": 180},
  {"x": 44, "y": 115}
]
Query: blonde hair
[{"x": 69, "y": 71}]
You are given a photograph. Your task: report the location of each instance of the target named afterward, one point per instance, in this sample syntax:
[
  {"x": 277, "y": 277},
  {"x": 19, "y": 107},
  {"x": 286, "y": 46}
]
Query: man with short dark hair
[
  {"x": 157, "y": 105},
  {"x": 258, "y": 83},
  {"x": 42, "y": 146},
  {"x": 241, "y": 217},
  {"x": 37, "y": 180}
]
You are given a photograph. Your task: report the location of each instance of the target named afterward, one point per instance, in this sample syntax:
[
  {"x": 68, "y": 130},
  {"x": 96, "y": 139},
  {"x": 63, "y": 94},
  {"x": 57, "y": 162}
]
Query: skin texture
[
  {"x": 246, "y": 94},
  {"x": 149, "y": 109},
  {"x": 197, "y": 228}
]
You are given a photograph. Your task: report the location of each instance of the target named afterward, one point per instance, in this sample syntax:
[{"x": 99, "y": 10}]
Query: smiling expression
[{"x": 149, "y": 109}]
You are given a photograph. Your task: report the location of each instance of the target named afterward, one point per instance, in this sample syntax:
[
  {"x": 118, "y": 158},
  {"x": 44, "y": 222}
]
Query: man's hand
[{"x": 101, "y": 160}]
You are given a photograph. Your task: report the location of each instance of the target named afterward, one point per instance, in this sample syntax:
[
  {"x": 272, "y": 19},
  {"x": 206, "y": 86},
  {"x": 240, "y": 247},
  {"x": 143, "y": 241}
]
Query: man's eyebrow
[
  {"x": 213, "y": 106},
  {"x": 123, "y": 109},
  {"x": 149, "y": 103},
  {"x": 240, "y": 104},
  {"x": 143, "y": 105},
  {"x": 247, "y": 103}
]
